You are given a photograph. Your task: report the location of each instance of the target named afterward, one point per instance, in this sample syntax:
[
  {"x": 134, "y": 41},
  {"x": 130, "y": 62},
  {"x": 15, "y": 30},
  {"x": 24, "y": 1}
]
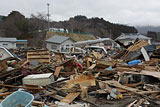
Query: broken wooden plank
[
  {"x": 139, "y": 44},
  {"x": 118, "y": 85},
  {"x": 70, "y": 97},
  {"x": 12, "y": 78},
  {"x": 104, "y": 63},
  {"x": 102, "y": 92},
  {"x": 37, "y": 103},
  {"x": 149, "y": 92},
  {"x": 139, "y": 102},
  {"x": 131, "y": 104},
  {"x": 92, "y": 66},
  {"x": 58, "y": 69},
  {"x": 151, "y": 73},
  {"x": 133, "y": 85}
]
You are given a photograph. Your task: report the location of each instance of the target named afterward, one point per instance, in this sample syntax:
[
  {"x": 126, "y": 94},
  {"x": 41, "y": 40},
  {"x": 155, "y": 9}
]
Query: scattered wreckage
[{"x": 128, "y": 78}]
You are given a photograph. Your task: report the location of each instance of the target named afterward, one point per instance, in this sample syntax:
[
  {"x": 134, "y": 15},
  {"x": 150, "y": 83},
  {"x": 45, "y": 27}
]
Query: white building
[
  {"x": 59, "y": 43},
  {"x": 127, "y": 38},
  {"x": 58, "y": 30},
  {"x": 9, "y": 43}
]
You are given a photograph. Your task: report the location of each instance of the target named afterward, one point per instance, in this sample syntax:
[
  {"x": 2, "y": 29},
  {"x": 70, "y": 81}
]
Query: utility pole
[{"x": 48, "y": 15}]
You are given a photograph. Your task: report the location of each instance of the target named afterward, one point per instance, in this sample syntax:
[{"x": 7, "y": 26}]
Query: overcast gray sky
[{"x": 130, "y": 12}]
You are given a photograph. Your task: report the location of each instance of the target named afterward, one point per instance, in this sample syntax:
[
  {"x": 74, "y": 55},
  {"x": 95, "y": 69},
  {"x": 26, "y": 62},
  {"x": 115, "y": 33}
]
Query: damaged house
[
  {"x": 59, "y": 43},
  {"x": 127, "y": 38}
]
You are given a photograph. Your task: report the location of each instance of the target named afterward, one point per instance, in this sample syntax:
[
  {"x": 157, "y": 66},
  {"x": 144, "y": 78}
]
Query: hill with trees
[{"x": 97, "y": 26}]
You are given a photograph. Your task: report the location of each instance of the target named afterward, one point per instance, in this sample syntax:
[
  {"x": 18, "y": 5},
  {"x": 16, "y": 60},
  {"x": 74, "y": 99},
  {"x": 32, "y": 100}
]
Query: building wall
[
  {"x": 50, "y": 46},
  {"x": 65, "y": 46},
  {"x": 8, "y": 45},
  {"x": 67, "y": 42}
]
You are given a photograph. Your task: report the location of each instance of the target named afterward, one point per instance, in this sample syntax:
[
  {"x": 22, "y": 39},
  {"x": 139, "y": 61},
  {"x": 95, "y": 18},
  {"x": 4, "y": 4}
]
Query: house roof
[
  {"x": 7, "y": 39},
  {"x": 132, "y": 36},
  {"x": 57, "y": 39}
]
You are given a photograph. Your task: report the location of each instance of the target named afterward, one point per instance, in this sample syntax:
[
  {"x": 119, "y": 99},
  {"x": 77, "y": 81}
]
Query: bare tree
[
  {"x": 38, "y": 28},
  {"x": 38, "y": 21}
]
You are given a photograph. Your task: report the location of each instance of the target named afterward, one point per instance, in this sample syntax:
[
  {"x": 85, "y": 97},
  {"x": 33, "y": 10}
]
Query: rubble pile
[{"x": 127, "y": 77}]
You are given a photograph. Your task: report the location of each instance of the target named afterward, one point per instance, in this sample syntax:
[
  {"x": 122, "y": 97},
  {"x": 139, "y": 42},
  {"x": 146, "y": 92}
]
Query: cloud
[{"x": 130, "y": 12}]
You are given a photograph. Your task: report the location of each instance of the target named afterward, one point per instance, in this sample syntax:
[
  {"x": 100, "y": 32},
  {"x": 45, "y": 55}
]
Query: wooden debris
[
  {"x": 118, "y": 85},
  {"x": 3, "y": 66},
  {"x": 80, "y": 79},
  {"x": 58, "y": 69},
  {"x": 139, "y": 44},
  {"x": 139, "y": 102},
  {"x": 89, "y": 61},
  {"x": 97, "y": 55},
  {"x": 70, "y": 97},
  {"x": 131, "y": 104},
  {"x": 104, "y": 63},
  {"x": 5, "y": 94},
  {"x": 28, "y": 88},
  {"x": 154, "y": 74},
  {"x": 41, "y": 56}
]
